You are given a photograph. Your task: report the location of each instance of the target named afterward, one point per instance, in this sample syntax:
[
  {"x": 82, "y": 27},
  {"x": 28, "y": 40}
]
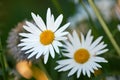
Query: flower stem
[
  {"x": 105, "y": 27},
  {"x": 2, "y": 61}
]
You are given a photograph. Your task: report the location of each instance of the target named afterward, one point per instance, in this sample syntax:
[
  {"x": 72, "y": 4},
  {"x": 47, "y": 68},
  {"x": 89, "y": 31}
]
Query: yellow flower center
[
  {"x": 81, "y": 56},
  {"x": 47, "y": 37}
]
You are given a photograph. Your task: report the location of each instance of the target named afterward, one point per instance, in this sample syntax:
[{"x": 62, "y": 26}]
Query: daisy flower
[
  {"x": 43, "y": 39},
  {"x": 82, "y": 54}
]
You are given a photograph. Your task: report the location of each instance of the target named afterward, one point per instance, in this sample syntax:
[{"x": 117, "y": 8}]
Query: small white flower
[
  {"x": 82, "y": 54},
  {"x": 43, "y": 39},
  {"x": 118, "y": 27}
]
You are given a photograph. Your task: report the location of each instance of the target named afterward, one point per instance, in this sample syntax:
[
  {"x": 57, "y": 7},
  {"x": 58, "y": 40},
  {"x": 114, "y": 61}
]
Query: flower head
[
  {"x": 82, "y": 54},
  {"x": 43, "y": 39}
]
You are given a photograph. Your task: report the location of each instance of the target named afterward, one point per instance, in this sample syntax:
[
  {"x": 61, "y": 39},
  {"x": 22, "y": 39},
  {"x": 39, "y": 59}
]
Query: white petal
[
  {"x": 69, "y": 47},
  {"x": 88, "y": 73},
  {"x": 84, "y": 71},
  {"x": 52, "y": 24},
  {"x": 57, "y": 43},
  {"x": 67, "y": 67},
  {"x": 21, "y": 44},
  {"x": 59, "y": 66},
  {"x": 77, "y": 43},
  {"x": 27, "y": 47},
  {"x": 76, "y": 37},
  {"x": 97, "y": 65},
  {"x": 94, "y": 66},
  {"x": 99, "y": 47},
  {"x": 52, "y": 52},
  {"x": 101, "y": 51},
  {"x": 95, "y": 42},
  {"x": 32, "y": 54},
  {"x": 26, "y": 35},
  {"x": 82, "y": 40},
  {"x": 46, "y": 57},
  {"x": 29, "y": 29},
  {"x": 46, "y": 49},
  {"x": 71, "y": 38},
  {"x": 58, "y": 22},
  {"x": 56, "y": 48},
  {"x": 53, "y": 18},
  {"x": 36, "y": 48},
  {"x": 31, "y": 50},
  {"x": 89, "y": 39},
  {"x": 48, "y": 19},
  {"x": 79, "y": 72},
  {"x": 62, "y": 28},
  {"x": 39, "y": 21},
  {"x": 90, "y": 67},
  {"x": 33, "y": 27},
  {"x": 61, "y": 34},
  {"x": 73, "y": 70},
  {"x": 28, "y": 40},
  {"x": 66, "y": 61},
  {"x": 87, "y": 69},
  {"x": 88, "y": 34},
  {"x": 38, "y": 55},
  {"x": 99, "y": 59},
  {"x": 60, "y": 38},
  {"x": 91, "y": 70},
  {"x": 68, "y": 55}
]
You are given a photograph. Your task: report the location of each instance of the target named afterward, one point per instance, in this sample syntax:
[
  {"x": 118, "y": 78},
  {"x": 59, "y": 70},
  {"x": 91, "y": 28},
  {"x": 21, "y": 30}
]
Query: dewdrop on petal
[
  {"x": 43, "y": 39},
  {"x": 24, "y": 69},
  {"x": 82, "y": 54}
]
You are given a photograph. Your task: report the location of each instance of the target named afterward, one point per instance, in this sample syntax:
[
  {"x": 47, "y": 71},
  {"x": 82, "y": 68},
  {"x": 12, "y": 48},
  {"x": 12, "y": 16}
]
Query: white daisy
[
  {"x": 43, "y": 39},
  {"x": 82, "y": 54}
]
